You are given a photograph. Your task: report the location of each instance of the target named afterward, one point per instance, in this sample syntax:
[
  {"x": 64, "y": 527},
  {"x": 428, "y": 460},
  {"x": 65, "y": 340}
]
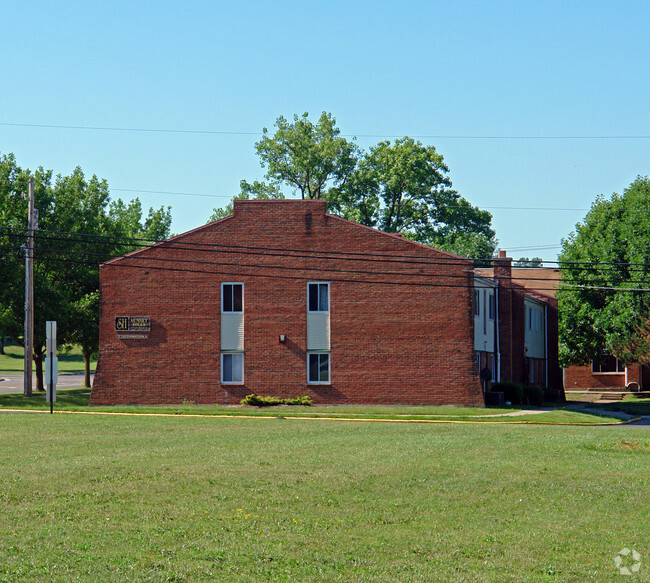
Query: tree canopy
[
  {"x": 309, "y": 157},
  {"x": 255, "y": 191},
  {"x": 527, "y": 262},
  {"x": 79, "y": 227},
  {"x": 403, "y": 186},
  {"x": 604, "y": 300}
]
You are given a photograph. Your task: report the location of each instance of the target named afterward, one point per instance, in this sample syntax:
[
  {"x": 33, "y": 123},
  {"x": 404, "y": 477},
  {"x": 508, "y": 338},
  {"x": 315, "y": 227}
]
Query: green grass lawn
[
  {"x": 631, "y": 405},
  {"x": 99, "y": 498},
  {"x": 77, "y": 400},
  {"x": 13, "y": 361}
]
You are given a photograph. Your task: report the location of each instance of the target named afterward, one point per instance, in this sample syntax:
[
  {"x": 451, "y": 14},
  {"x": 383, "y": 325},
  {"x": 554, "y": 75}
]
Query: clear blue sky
[{"x": 459, "y": 72}]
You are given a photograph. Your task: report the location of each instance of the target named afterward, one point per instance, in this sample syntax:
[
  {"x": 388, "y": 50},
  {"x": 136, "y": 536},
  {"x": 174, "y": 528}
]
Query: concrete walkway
[
  {"x": 516, "y": 413},
  {"x": 580, "y": 408},
  {"x": 643, "y": 421}
]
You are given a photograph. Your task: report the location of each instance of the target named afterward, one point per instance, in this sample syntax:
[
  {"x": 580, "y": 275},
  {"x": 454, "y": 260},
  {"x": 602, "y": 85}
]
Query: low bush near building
[
  {"x": 258, "y": 401},
  {"x": 519, "y": 394},
  {"x": 512, "y": 392},
  {"x": 553, "y": 395},
  {"x": 534, "y": 395}
]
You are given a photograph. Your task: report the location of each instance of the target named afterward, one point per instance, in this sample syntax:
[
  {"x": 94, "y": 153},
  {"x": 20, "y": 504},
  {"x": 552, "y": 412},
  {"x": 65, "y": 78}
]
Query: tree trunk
[
  {"x": 2, "y": 344},
  {"x": 38, "y": 361},
  {"x": 86, "y": 370}
]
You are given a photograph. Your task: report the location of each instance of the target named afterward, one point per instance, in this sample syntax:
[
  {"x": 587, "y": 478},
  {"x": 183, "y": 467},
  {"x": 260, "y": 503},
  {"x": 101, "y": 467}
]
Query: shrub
[
  {"x": 552, "y": 395},
  {"x": 258, "y": 401},
  {"x": 303, "y": 400},
  {"x": 511, "y": 392},
  {"x": 534, "y": 395}
]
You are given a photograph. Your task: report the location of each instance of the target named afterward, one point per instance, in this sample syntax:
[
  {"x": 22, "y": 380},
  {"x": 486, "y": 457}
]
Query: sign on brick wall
[{"x": 132, "y": 324}]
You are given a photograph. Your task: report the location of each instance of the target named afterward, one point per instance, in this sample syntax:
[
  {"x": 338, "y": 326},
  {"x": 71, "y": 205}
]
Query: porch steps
[{"x": 614, "y": 395}]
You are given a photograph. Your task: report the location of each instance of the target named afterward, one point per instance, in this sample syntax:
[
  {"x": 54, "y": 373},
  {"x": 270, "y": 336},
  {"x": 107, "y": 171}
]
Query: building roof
[
  {"x": 536, "y": 280},
  {"x": 265, "y": 209}
]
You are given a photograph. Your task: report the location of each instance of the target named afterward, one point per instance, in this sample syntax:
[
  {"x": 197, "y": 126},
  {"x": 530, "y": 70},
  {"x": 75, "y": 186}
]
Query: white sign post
[{"x": 51, "y": 364}]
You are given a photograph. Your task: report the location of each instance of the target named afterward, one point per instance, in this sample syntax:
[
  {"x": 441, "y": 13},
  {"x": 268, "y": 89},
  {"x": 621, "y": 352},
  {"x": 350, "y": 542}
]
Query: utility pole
[{"x": 29, "y": 294}]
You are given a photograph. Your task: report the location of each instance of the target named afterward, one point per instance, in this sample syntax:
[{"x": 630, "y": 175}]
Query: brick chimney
[{"x": 503, "y": 266}]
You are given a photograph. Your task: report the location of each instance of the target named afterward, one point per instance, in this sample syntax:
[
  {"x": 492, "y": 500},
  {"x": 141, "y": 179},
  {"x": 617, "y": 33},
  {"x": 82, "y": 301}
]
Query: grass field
[
  {"x": 77, "y": 400},
  {"x": 95, "y": 498},
  {"x": 630, "y": 404},
  {"x": 13, "y": 361}
]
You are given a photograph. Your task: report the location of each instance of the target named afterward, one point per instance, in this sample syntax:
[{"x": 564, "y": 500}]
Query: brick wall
[
  {"x": 511, "y": 323},
  {"x": 581, "y": 377},
  {"x": 512, "y": 326},
  {"x": 401, "y": 313}
]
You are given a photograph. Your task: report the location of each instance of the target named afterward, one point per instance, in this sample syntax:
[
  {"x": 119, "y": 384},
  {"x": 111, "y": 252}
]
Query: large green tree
[
  {"x": 126, "y": 229},
  {"x": 78, "y": 229},
  {"x": 309, "y": 157},
  {"x": 405, "y": 187},
  {"x": 126, "y": 221},
  {"x": 13, "y": 216},
  {"x": 397, "y": 187},
  {"x": 604, "y": 299}
]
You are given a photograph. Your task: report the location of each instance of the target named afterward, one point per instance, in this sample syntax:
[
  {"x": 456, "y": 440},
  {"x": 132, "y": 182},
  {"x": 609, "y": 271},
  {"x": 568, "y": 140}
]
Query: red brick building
[
  {"x": 516, "y": 332},
  {"x": 283, "y": 299},
  {"x": 607, "y": 373},
  {"x": 602, "y": 373}
]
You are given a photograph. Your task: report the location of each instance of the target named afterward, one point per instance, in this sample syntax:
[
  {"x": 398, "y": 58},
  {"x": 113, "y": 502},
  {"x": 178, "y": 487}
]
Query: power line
[
  {"x": 301, "y": 253},
  {"x": 238, "y": 267},
  {"x": 141, "y": 244},
  {"x": 129, "y": 129},
  {"x": 380, "y": 136},
  {"x": 92, "y": 237},
  {"x": 249, "y": 249},
  {"x": 204, "y": 195},
  {"x": 170, "y": 193},
  {"x": 591, "y": 285},
  {"x": 237, "y": 272},
  {"x": 533, "y": 248}
]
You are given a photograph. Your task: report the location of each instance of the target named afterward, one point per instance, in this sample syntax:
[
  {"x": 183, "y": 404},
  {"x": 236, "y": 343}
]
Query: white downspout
[
  {"x": 498, "y": 332},
  {"x": 546, "y": 343}
]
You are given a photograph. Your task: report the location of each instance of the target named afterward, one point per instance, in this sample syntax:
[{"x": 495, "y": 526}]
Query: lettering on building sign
[{"x": 133, "y": 324}]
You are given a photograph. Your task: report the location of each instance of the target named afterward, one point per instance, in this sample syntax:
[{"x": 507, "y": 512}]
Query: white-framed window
[
  {"x": 484, "y": 312},
  {"x": 232, "y": 297},
  {"x": 607, "y": 364},
  {"x": 534, "y": 320},
  {"x": 477, "y": 302},
  {"x": 232, "y": 368},
  {"x": 491, "y": 307},
  {"x": 318, "y": 367},
  {"x": 318, "y": 296}
]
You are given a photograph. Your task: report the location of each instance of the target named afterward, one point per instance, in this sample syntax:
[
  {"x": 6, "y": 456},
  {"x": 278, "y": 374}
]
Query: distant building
[
  {"x": 607, "y": 373},
  {"x": 516, "y": 326},
  {"x": 602, "y": 373}
]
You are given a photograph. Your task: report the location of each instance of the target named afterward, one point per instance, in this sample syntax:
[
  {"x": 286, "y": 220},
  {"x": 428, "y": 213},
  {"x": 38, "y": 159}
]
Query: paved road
[
  {"x": 13, "y": 383},
  {"x": 644, "y": 422}
]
